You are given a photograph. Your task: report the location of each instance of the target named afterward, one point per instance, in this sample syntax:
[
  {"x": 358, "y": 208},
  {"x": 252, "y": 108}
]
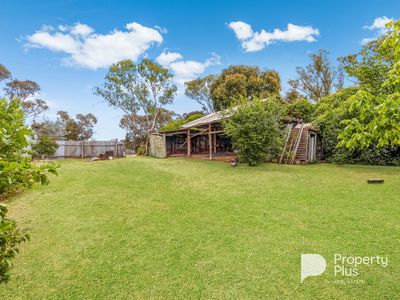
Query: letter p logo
[{"x": 312, "y": 265}]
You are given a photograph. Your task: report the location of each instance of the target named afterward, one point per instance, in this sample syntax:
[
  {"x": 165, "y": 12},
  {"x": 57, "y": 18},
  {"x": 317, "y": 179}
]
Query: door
[{"x": 312, "y": 146}]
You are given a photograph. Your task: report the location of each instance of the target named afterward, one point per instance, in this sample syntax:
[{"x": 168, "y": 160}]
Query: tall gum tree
[{"x": 143, "y": 88}]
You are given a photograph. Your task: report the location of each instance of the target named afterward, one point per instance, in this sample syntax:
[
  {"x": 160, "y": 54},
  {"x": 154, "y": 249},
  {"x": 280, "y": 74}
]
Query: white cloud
[
  {"x": 185, "y": 70},
  {"x": 379, "y": 27},
  {"x": 379, "y": 23},
  {"x": 166, "y": 58},
  {"x": 242, "y": 30},
  {"x": 161, "y": 29},
  {"x": 255, "y": 41},
  {"x": 88, "y": 49},
  {"x": 82, "y": 29}
]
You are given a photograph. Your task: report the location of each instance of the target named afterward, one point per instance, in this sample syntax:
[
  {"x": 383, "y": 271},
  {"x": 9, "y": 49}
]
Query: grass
[{"x": 176, "y": 228}]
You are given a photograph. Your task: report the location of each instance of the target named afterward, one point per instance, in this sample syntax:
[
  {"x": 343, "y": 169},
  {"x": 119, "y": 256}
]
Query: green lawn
[{"x": 176, "y": 228}]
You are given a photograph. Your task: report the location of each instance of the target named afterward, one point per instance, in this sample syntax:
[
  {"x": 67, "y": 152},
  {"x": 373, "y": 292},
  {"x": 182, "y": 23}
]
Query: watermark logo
[
  {"x": 312, "y": 265},
  {"x": 349, "y": 266},
  {"x": 346, "y": 268}
]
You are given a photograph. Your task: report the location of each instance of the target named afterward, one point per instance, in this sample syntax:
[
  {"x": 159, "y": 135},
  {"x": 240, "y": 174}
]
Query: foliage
[
  {"x": 292, "y": 95},
  {"x": 16, "y": 169},
  {"x": 80, "y": 129},
  {"x": 301, "y": 109},
  {"x": 200, "y": 91},
  {"x": 193, "y": 117},
  {"x": 382, "y": 156},
  {"x": 10, "y": 238},
  {"x": 330, "y": 112},
  {"x": 66, "y": 127},
  {"x": 245, "y": 81},
  {"x": 196, "y": 114},
  {"x": 139, "y": 89},
  {"x": 254, "y": 129},
  {"x": 376, "y": 104},
  {"x": 44, "y": 146},
  {"x": 53, "y": 129},
  {"x": 318, "y": 78},
  {"x": 4, "y": 72},
  {"x": 16, "y": 173},
  {"x": 26, "y": 91},
  {"x": 177, "y": 123},
  {"x": 136, "y": 126}
]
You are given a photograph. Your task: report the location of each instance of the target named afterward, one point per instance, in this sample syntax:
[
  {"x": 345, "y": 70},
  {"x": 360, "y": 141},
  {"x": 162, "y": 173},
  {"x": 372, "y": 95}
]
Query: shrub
[
  {"x": 176, "y": 124},
  {"x": 330, "y": 112},
  {"x": 10, "y": 238},
  {"x": 173, "y": 125},
  {"x": 16, "y": 173},
  {"x": 193, "y": 117},
  {"x": 44, "y": 146},
  {"x": 301, "y": 109},
  {"x": 255, "y": 131},
  {"x": 383, "y": 156}
]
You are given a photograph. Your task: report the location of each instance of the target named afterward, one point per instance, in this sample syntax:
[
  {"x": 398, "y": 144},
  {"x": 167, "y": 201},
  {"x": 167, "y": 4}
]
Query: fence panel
[{"x": 89, "y": 148}]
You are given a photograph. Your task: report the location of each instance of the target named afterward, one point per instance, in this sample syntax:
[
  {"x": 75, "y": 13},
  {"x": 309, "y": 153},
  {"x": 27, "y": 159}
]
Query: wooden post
[
  {"x": 189, "y": 143},
  {"x": 82, "y": 149},
  {"x": 210, "y": 141},
  {"x": 116, "y": 148},
  {"x": 215, "y": 143}
]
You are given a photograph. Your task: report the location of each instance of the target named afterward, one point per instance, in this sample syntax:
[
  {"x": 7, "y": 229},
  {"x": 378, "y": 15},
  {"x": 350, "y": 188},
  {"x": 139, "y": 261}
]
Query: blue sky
[{"x": 40, "y": 40}]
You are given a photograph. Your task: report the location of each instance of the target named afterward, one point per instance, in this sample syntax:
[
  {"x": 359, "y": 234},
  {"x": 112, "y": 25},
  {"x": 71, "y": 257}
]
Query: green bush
[
  {"x": 193, "y": 117},
  {"x": 330, "y": 112},
  {"x": 44, "y": 147},
  {"x": 173, "y": 125},
  {"x": 176, "y": 124},
  {"x": 383, "y": 156},
  {"x": 17, "y": 172},
  {"x": 301, "y": 109},
  {"x": 16, "y": 168},
  {"x": 10, "y": 238},
  {"x": 255, "y": 131}
]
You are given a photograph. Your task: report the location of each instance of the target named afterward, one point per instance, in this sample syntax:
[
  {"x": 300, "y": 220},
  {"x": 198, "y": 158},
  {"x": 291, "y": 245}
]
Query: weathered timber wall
[{"x": 157, "y": 146}]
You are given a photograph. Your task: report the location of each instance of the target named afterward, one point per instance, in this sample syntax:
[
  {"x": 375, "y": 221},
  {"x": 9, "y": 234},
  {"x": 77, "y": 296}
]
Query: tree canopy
[
  {"x": 136, "y": 125},
  {"x": 318, "y": 78},
  {"x": 200, "y": 91},
  {"x": 66, "y": 127},
  {"x": 25, "y": 91},
  {"x": 243, "y": 81},
  {"x": 139, "y": 89},
  {"x": 376, "y": 104}
]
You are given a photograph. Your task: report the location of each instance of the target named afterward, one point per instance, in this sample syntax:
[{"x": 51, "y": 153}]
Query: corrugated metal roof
[
  {"x": 208, "y": 119},
  {"x": 220, "y": 115},
  {"x": 212, "y": 118}
]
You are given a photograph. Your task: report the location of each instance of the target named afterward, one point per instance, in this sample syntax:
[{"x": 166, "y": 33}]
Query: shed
[{"x": 204, "y": 138}]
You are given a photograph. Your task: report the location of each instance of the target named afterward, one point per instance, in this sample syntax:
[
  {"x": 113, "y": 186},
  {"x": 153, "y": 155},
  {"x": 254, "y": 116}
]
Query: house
[{"x": 204, "y": 138}]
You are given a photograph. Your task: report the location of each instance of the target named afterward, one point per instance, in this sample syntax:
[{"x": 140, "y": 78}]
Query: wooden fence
[{"x": 89, "y": 148}]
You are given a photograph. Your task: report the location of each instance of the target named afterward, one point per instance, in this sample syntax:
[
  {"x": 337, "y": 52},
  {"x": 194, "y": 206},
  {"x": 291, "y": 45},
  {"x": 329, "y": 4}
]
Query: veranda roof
[
  {"x": 220, "y": 115},
  {"x": 208, "y": 119}
]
